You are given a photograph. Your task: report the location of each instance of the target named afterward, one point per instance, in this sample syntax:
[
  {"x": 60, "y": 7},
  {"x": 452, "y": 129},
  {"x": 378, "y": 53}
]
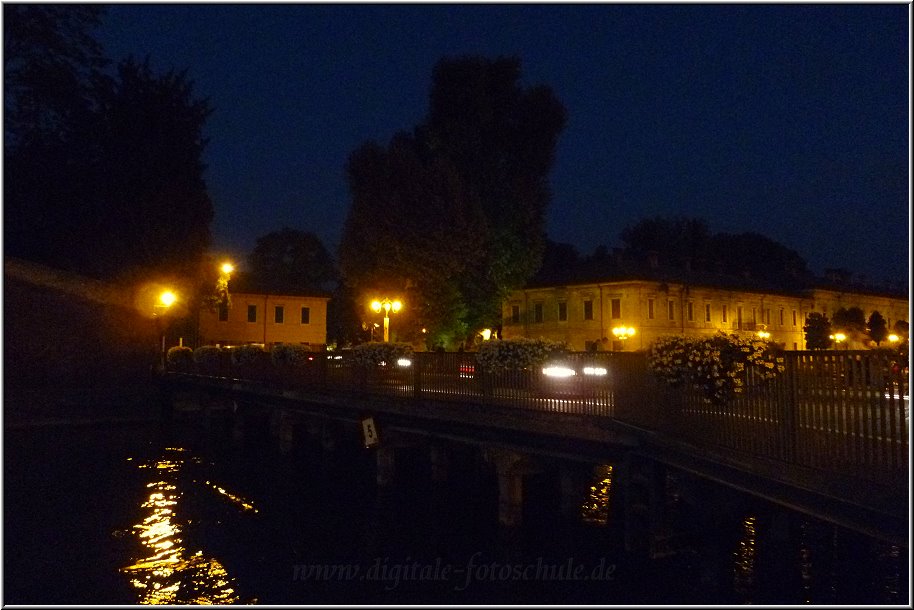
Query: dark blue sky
[{"x": 787, "y": 120}]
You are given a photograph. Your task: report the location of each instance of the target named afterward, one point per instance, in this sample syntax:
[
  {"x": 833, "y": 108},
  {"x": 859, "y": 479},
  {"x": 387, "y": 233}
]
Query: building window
[
  {"x": 650, "y": 309},
  {"x": 768, "y": 316},
  {"x": 563, "y": 311},
  {"x": 723, "y": 314},
  {"x": 707, "y": 312},
  {"x": 754, "y": 317},
  {"x": 278, "y": 314},
  {"x": 615, "y": 306},
  {"x": 739, "y": 317},
  {"x": 689, "y": 310},
  {"x": 588, "y": 310},
  {"x": 537, "y": 313},
  {"x": 223, "y": 312},
  {"x": 306, "y": 315},
  {"x": 515, "y": 314},
  {"x": 781, "y": 316},
  {"x": 670, "y": 309},
  {"x": 252, "y": 313},
  {"x": 794, "y": 312},
  {"x": 794, "y": 345}
]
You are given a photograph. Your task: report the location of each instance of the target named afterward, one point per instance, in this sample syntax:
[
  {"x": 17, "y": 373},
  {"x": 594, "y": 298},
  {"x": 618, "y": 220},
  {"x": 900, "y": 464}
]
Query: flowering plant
[
  {"x": 717, "y": 365},
  {"x": 515, "y": 354},
  {"x": 246, "y": 354},
  {"x": 287, "y": 355},
  {"x": 208, "y": 356},
  {"x": 180, "y": 358},
  {"x": 376, "y": 352}
]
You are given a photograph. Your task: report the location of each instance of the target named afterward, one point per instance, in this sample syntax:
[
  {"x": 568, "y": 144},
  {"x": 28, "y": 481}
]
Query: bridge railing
[{"x": 844, "y": 411}]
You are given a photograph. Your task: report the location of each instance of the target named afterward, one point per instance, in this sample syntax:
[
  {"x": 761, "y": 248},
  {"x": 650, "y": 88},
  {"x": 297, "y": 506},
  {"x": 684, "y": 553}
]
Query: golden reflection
[
  {"x": 596, "y": 507},
  {"x": 170, "y": 574},
  {"x": 244, "y": 504},
  {"x": 744, "y": 556}
]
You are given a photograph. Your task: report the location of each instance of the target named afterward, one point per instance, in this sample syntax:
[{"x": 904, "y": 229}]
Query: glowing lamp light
[
  {"x": 227, "y": 268},
  {"x": 486, "y": 334},
  {"x": 893, "y": 338},
  {"x": 763, "y": 334},
  {"x": 623, "y": 332},
  {"x": 167, "y": 298},
  {"x": 596, "y": 371},
  {"x": 388, "y": 306}
]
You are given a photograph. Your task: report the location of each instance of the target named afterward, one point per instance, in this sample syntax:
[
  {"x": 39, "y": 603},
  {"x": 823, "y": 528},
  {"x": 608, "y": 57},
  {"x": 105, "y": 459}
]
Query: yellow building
[
  {"x": 584, "y": 314},
  {"x": 267, "y": 319}
]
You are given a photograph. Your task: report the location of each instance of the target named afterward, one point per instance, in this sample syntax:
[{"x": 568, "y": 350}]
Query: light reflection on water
[
  {"x": 171, "y": 574},
  {"x": 596, "y": 507}
]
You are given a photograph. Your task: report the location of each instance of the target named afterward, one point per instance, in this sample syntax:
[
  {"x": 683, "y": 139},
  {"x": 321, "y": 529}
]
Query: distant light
[
  {"x": 598, "y": 371},
  {"x": 227, "y": 268},
  {"x": 376, "y": 306},
  {"x": 558, "y": 371},
  {"x": 486, "y": 334},
  {"x": 404, "y": 362},
  {"x": 763, "y": 334},
  {"x": 395, "y": 306},
  {"x": 167, "y": 298},
  {"x": 893, "y": 338}
]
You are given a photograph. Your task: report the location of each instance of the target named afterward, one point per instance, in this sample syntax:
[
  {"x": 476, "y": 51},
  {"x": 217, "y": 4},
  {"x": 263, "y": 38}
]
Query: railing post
[
  {"x": 418, "y": 362},
  {"x": 788, "y": 408}
]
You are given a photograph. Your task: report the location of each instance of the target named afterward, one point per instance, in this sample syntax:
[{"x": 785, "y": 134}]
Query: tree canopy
[
  {"x": 103, "y": 173},
  {"x": 679, "y": 240},
  {"x": 454, "y": 212},
  {"x": 292, "y": 261},
  {"x": 817, "y": 330}
]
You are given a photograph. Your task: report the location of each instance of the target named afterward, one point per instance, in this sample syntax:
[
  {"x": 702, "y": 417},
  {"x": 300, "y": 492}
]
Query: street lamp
[
  {"x": 387, "y": 305},
  {"x": 166, "y": 300},
  {"x": 837, "y": 338},
  {"x": 763, "y": 334},
  {"x": 622, "y": 333}
]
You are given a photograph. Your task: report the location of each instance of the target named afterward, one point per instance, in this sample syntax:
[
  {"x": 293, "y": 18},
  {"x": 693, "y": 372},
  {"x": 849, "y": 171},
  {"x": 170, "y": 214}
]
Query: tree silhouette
[
  {"x": 292, "y": 261},
  {"x": 454, "y": 213},
  {"x": 878, "y": 328},
  {"x": 817, "y": 330},
  {"x": 103, "y": 172}
]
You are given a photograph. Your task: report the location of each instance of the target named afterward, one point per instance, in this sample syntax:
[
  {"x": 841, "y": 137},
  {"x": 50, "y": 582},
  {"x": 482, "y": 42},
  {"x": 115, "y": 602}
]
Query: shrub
[
  {"x": 715, "y": 365},
  {"x": 246, "y": 354},
  {"x": 515, "y": 354},
  {"x": 375, "y": 353},
  {"x": 208, "y": 356},
  {"x": 180, "y": 358},
  {"x": 285, "y": 355}
]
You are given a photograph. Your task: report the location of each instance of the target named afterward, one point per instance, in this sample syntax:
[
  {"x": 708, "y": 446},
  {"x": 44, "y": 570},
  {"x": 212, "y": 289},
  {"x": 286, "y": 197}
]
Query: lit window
[{"x": 306, "y": 315}]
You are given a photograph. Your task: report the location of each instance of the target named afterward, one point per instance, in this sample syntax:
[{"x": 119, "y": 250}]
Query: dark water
[{"x": 187, "y": 514}]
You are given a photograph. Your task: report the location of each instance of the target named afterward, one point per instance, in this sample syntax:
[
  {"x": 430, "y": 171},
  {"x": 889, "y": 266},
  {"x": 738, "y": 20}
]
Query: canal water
[{"x": 187, "y": 514}]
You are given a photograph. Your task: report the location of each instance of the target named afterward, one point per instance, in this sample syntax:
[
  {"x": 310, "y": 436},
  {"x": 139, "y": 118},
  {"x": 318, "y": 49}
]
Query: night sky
[{"x": 786, "y": 120}]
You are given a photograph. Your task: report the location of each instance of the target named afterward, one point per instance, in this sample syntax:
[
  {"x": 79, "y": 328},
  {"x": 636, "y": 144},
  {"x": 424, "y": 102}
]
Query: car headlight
[
  {"x": 404, "y": 362},
  {"x": 597, "y": 371},
  {"x": 558, "y": 371}
]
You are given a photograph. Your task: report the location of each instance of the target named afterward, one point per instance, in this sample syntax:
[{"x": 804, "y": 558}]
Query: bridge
[{"x": 828, "y": 437}]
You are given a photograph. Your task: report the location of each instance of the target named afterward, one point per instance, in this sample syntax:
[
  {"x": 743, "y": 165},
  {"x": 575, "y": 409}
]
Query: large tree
[
  {"x": 877, "y": 328},
  {"x": 291, "y": 260},
  {"x": 455, "y": 212},
  {"x": 817, "y": 331},
  {"x": 103, "y": 171}
]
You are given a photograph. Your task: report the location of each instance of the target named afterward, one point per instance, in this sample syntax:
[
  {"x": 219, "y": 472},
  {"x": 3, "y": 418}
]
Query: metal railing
[{"x": 844, "y": 411}]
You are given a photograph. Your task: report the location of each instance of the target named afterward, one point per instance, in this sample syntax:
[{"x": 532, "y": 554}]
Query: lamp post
[
  {"x": 387, "y": 305},
  {"x": 165, "y": 301},
  {"x": 838, "y": 338},
  {"x": 622, "y": 333}
]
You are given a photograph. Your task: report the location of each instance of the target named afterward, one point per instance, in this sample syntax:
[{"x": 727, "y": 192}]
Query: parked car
[{"x": 574, "y": 375}]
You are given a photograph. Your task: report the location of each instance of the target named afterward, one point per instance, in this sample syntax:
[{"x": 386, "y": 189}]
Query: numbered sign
[{"x": 370, "y": 432}]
